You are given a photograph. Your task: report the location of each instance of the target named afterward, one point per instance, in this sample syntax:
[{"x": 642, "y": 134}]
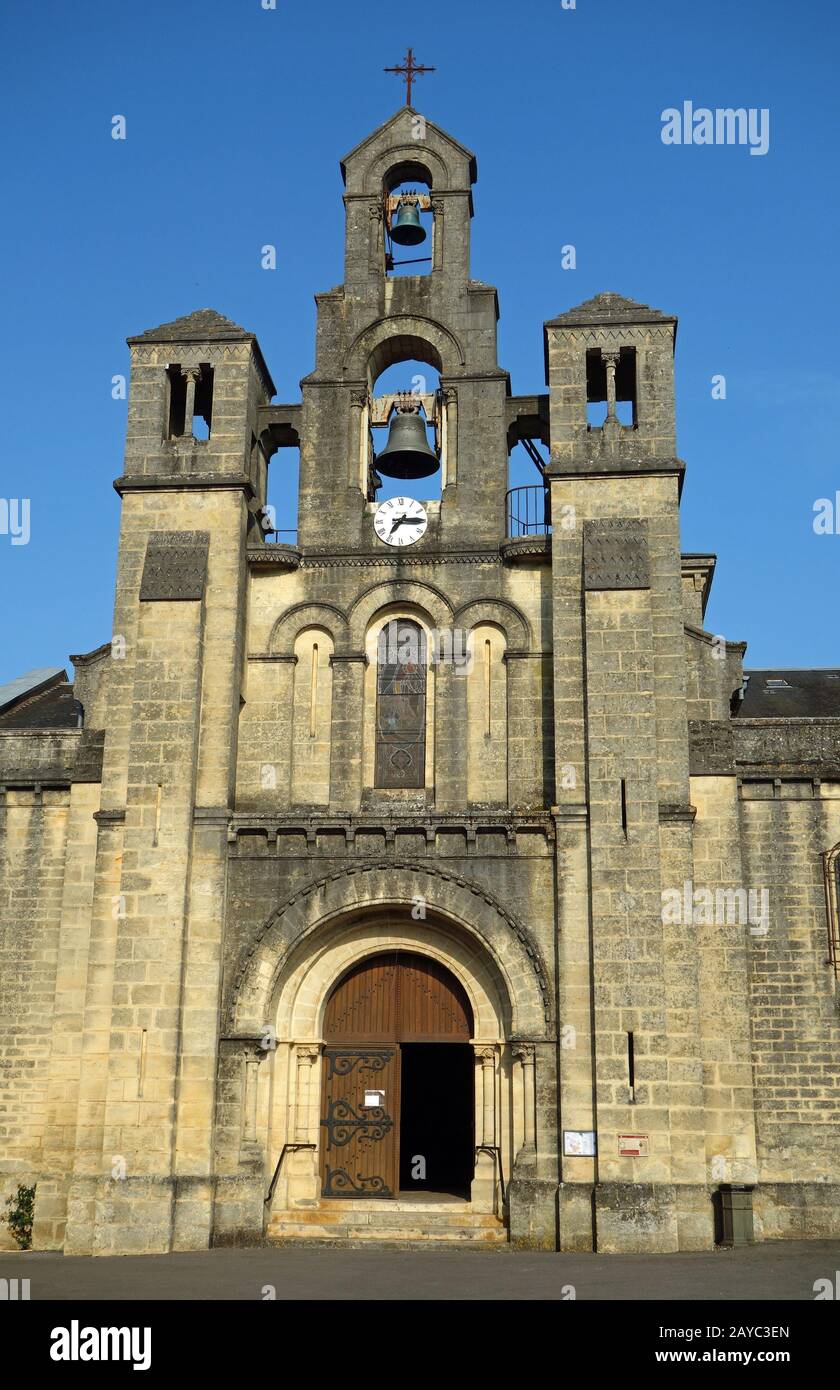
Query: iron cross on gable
[{"x": 409, "y": 70}]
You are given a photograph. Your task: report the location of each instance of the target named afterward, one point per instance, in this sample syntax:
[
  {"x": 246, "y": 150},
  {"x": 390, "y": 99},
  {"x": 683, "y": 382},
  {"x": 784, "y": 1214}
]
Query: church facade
[{"x": 433, "y": 875}]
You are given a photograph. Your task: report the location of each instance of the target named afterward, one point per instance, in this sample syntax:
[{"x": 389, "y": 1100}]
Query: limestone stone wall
[
  {"x": 33, "y": 836},
  {"x": 795, "y": 1018}
]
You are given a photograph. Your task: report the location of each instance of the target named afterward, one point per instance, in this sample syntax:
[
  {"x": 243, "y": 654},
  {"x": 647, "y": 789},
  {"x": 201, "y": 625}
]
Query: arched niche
[{"x": 302, "y": 616}]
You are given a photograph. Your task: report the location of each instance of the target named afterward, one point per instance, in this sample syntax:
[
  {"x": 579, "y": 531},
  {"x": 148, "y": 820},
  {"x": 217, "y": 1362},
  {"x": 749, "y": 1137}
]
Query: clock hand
[{"x": 400, "y": 521}]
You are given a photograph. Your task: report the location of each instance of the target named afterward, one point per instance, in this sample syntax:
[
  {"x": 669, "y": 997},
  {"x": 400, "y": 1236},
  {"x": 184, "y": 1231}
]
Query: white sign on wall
[{"x": 579, "y": 1143}]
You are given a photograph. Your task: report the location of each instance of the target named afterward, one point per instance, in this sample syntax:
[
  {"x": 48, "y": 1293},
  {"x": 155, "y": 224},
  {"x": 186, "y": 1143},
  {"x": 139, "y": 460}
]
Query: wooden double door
[{"x": 397, "y": 1090}]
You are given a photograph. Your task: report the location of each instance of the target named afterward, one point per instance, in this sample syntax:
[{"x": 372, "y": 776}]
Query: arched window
[{"x": 401, "y": 705}]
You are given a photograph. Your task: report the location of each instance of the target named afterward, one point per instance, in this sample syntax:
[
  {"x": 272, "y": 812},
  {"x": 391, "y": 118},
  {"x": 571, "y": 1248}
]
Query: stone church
[{"x": 431, "y": 874}]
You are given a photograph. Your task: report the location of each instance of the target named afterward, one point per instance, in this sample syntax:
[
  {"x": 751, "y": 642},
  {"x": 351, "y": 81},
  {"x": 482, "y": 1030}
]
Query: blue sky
[{"x": 236, "y": 120}]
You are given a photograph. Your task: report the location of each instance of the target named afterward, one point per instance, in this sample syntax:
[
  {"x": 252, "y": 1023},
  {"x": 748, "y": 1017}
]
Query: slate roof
[
  {"x": 47, "y": 703},
  {"x": 201, "y": 326},
  {"x": 804, "y": 695},
  {"x": 610, "y": 308},
  {"x": 25, "y": 684}
]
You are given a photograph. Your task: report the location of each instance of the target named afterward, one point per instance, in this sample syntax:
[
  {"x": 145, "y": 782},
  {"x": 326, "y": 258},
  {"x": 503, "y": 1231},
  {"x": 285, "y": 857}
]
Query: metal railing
[
  {"x": 497, "y": 1165},
  {"x": 287, "y": 1148},
  {"x": 528, "y": 511},
  {"x": 282, "y": 537}
]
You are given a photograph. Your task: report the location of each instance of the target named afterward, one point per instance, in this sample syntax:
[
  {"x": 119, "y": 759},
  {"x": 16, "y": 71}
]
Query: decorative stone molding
[
  {"x": 299, "y": 616},
  {"x": 391, "y": 819},
  {"x": 175, "y": 567},
  {"x": 441, "y": 340},
  {"x": 317, "y": 559},
  {"x": 516, "y": 549},
  {"x": 615, "y": 555},
  {"x": 274, "y": 555},
  {"x": 449, "y": 895},
  {"x": 487, "y": 608}
]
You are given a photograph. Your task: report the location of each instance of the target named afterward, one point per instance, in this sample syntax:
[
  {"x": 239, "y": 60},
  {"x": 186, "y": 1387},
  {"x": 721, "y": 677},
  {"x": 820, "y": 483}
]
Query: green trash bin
[{"x": 735, "y": 1214}]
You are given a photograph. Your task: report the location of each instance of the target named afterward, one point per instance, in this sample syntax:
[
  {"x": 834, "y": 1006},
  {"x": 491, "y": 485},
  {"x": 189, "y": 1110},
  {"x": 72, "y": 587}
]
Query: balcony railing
[
  {"x": 282, "y": 537},
  {"x": 529, "y": 511}
]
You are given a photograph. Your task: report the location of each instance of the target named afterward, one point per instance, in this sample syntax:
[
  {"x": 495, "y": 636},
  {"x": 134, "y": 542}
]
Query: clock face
[{"x": 400, "y": 521}]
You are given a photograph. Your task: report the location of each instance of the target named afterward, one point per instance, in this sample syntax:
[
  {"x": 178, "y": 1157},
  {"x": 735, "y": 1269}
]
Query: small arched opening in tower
[
  {"x": 282, "y": 496},
  {"x": 408, "y": 221},
  {"x": 414, "y": 383}
]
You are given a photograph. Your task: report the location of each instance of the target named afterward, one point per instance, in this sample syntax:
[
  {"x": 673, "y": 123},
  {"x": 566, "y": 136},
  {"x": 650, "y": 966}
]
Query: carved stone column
[
  {"x": 192, "y": 374},
  {"x": 449, "y": 435},
  {"x": 357, "y": 459},
  {"x": 484, "y": 1186},
  {"x": 526, "y": 1054},
  {"x": 610, "y": 360},
  {"x": 299, "y": 1183},
  {"x": 307, "y": 1056},
  {"x": 252, "y": 1064}
]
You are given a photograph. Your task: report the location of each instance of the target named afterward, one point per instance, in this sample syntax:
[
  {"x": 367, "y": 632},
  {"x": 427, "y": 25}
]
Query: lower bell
[{"x": 407, "y": 453}]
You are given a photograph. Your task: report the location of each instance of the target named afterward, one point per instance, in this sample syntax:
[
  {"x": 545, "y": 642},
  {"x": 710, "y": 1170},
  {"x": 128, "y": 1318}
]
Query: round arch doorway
[{"x": 397, "y": 1109}]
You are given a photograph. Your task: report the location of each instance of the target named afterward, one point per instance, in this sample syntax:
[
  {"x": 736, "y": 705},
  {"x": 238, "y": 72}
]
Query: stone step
[
  {"x": 300, "y": 1232},
  {"x": 406, "y": 1222},
  {"x": 437, "y": 1220},
  {"x": 413, "y": 1204}
]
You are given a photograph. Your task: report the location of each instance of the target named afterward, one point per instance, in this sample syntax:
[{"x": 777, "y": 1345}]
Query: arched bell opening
[
  {"x": 527, "y": 511},
  {"x": 408, "y": 220},
  {"x": 280, "y": 523},
  {"x": 407, "y": 423}
]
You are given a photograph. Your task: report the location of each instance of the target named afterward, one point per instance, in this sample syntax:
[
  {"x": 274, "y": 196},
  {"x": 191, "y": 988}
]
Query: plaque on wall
[
  {"x": 633, "y": 1145},
  {"x": 578, "y": 1143}
]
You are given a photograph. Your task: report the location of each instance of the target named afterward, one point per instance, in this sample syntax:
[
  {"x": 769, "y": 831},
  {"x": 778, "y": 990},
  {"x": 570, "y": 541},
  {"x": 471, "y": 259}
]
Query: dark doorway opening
[{"x": 437, "y": 1152}]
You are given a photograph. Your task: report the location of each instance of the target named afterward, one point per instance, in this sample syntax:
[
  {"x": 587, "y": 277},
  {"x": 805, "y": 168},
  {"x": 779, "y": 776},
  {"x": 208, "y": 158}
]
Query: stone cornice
[
  {"x": 619, "y": 464},
  {"x": 275, "y": 555},
  {"x": 515, "y": 549},
  {"x": 184, "y": 482},
  {"x": 392, "y": 822},
  {"x": 676, "y": 813},
  {"x": 273, "y": 656},
  {"x": 316, "y": 559},
  {"x": 713, "y": 641}
]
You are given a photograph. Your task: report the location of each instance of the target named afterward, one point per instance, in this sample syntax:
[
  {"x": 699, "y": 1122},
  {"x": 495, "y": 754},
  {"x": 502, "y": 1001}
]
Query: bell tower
[{"x": 377, "y": 319}]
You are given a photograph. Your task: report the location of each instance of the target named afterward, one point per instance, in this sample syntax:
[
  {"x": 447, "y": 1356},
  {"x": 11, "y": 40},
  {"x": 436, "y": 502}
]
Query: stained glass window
[{"x": 401, "y": 705}]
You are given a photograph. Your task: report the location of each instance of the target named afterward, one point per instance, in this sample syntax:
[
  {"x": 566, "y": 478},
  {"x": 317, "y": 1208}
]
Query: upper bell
[
  {"x": 407, "y": 453},
  {"x": 406, "y": 228}
]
